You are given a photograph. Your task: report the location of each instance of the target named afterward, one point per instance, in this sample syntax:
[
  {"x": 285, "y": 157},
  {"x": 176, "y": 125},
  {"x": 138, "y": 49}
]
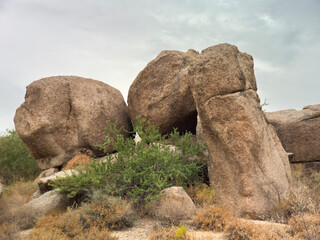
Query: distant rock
[
  {"x": 161, "y": 93},
  {"x": 174, "y": 205},
  {"x": 64, "y": 115},
  {"x": 299, "y": 132}
]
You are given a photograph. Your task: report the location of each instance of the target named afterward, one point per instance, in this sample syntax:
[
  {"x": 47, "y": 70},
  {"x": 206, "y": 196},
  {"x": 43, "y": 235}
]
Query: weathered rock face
[
  {"x": 64, "y": 115},
  {"x": 161, "y": 93},
  {"x": 173, "y": 204},
  {"x": 248, "y": 167},
  {"x": 299, "y": 132}
]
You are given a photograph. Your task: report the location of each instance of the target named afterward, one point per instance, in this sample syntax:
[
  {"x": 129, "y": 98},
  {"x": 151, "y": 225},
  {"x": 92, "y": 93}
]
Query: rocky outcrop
[
  {"x": 299, "y": 132},
  {"x": 65, "y": 115},
  {"x": 174, "y": 205},
  {"x": 248, "y": 167},
  {"x": 161, "y": 93}
]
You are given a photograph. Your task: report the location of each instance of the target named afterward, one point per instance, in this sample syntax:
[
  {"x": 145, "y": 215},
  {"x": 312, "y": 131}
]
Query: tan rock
[
  {"x": 248, "y": 168},
  {"x": 299, "y": 132},
  {"x": 46, "y": 173},
  {"x": 43, "y": 204},
  {"x": 64, "y": 115},
  {"x": 44, "y": 183},
  {"x": 161, "y": 93},
  {"x": 174, "y": 205}
]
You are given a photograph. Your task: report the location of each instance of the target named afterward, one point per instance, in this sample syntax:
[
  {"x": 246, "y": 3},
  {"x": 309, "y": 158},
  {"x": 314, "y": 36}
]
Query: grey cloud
[{"x": 113, "y": 40}]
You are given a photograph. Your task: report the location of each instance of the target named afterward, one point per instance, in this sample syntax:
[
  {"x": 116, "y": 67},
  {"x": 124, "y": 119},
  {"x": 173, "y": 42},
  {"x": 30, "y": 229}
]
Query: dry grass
[
  {"x": 66, "y": 226},
  {"x": 201, "y": 195},
  {"x": 305, "y": 226},
  {"x": 92, "y": 220},
  {"x": 304, "y": 197},
  {"x": 79, "y": 161},
  {"x": 12, "y": 217},
  {"x": 212, "y": 218},
  {"x": 172, "y": 233}
]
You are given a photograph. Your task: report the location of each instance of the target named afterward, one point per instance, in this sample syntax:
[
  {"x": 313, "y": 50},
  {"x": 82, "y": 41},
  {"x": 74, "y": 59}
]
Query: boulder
[
  {"x": 161, "y": 93},
  {"x": 174, "y": 205},
  {"x": 65, "y": 115},
  {"x": 248, "y": 167},
  {"x": 43, "y": 204},
  {"x": 299, "y": 132}
]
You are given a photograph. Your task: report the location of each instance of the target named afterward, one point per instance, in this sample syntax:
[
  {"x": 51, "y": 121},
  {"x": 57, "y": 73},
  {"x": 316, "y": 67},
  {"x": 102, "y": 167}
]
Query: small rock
[
  {"x": 173, "y": 204},
  {"x": 43, "y": 183}
]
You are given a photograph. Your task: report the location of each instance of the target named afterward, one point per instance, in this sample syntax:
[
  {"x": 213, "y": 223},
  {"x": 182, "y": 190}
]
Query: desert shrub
[
  {"x": 66, "y": 226},
  {"x": 305, "y": 226},
  {"x": 15, "y": 160},
  {"x": 106, "y": 212},
  {"x": 239, "y": 230},
  {"x": 212, "y": 219},
  {"x": 172, "y": 233},
  {"x": 201, "y": 194},
  {"x": 139, "y": 170}
]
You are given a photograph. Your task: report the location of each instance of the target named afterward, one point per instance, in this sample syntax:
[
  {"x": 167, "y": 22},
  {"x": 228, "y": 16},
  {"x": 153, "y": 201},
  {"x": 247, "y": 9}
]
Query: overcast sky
[{"x": 112, "y": 41}]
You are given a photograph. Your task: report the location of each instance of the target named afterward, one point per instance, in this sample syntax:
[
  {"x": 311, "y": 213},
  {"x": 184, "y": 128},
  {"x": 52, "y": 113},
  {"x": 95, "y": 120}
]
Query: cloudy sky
[{"x": 113, "y": 40}]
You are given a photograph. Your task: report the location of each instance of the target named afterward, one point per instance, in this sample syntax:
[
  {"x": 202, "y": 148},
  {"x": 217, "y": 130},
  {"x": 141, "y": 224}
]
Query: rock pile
[{"x": 248, "y": 167}]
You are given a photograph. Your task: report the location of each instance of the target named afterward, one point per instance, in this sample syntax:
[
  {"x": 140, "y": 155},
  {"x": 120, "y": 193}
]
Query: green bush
[
  {"x": 15, "y": 161},
  {"x": 139, "y": 171}
]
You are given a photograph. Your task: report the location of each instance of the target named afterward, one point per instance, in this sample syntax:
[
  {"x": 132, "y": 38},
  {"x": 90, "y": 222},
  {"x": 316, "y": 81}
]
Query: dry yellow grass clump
[{"x": 79, "y": 161}]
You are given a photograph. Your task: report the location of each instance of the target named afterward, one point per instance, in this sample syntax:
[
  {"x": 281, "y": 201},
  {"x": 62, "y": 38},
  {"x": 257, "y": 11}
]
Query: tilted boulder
[
  {"x": 248, "y": 167},
  {"x": 161, "y": 93},
  {"x": 65, "y": 115},
  {"x": 299, "y": 132}
]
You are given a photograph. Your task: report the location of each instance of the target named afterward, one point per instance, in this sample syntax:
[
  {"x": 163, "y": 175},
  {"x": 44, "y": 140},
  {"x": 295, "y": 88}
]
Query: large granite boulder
[
  {"x": 248, "y": 167},
  {"x": 161, "y": 93},
  {"x": 299, "y": 132},
  {"x": 65, "y": 115}
]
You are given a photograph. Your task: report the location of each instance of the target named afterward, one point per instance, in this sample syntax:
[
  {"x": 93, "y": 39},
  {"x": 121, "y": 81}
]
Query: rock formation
[
  {"x": 64, "y": 115},
  {"x": 299, "y": 132},
  {"x": 248, "y": 167}
]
